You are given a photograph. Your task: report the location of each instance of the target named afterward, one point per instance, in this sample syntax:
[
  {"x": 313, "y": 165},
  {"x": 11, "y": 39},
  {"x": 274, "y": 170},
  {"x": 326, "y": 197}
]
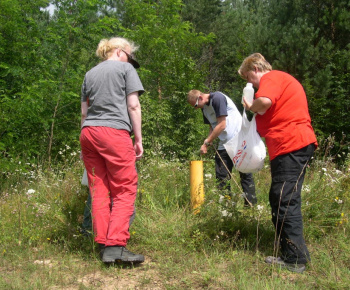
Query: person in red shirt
[{"x": 283, "y": 120}]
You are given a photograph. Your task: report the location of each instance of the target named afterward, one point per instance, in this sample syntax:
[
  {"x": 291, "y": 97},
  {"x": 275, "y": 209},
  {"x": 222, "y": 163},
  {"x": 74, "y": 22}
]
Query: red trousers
[{"x": 109, "y": 159}]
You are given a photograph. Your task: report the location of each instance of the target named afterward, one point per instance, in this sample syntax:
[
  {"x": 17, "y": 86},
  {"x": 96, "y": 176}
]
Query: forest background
[{"x": 187, "y": 44}]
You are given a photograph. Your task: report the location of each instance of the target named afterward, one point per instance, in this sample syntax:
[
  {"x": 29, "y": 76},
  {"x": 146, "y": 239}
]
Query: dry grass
[{"x": 41, "y": 248}]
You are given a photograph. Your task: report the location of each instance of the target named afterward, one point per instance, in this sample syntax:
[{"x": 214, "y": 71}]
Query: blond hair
[
  {"x": 193, "y": 95},
  {"x": 255, "y": 60},
  {"x": 106, "y": 47}
]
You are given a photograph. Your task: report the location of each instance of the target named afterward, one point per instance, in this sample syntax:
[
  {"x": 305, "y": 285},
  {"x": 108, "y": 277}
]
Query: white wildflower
[
  {"x": 306, "y": 188},
  {"x": 339, "y": 201},
  {"x": 208, "y": 175},
  {"x": 225, "y": 213},
  {"x": 30, "y": 191}
]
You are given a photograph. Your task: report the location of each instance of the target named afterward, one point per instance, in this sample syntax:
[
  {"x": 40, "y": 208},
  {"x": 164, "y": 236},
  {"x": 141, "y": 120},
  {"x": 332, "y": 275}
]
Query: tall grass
[{"x": 222, "y": 247}]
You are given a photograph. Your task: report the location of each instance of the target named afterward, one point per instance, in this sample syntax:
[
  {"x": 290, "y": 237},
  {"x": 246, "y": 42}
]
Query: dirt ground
[{"x": 142, "y": 276}]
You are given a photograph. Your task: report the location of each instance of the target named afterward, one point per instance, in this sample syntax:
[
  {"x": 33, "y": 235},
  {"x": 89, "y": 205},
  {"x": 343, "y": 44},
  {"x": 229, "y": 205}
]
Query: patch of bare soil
[{"x": 142, "y": 276}]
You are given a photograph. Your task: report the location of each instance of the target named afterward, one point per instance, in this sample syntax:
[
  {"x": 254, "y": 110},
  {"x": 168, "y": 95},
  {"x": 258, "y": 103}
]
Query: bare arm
[
  {"x": 213, "y": 134},
  {"x": 84, "y": 108},
  {"x": 260, "y": 105},
  {"x": 134, "y": 109}
]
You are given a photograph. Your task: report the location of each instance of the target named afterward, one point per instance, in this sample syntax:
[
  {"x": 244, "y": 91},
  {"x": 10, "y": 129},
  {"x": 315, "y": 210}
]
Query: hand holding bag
[{"x": 246, "y": 149}]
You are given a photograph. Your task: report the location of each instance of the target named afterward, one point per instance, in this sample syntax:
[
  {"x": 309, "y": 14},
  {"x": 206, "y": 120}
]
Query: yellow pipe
[{"x": 197, "y": 185}]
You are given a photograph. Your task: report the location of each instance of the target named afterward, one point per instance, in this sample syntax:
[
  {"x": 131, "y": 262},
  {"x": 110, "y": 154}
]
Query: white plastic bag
[
  {"x": 246, "y": 149},
  {"x": 84, "y": 179}
]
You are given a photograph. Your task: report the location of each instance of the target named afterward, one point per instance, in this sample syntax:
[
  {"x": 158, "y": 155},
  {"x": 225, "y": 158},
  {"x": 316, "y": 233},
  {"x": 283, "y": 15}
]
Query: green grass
[{"x": 41, "y": 247}]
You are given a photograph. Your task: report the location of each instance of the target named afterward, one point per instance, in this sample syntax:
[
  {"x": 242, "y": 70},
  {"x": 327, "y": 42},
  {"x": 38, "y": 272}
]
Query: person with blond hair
[
  {"x": 111, "y": 112},
  {"x": 224, "y": 121},
  {"x": 283, "y": 120}
]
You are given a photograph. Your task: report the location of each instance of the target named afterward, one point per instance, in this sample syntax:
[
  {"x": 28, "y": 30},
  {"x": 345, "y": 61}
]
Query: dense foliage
[{"x": 187, "y": 44}]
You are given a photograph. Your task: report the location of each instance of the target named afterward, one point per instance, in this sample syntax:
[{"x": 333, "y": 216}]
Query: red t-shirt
[{"x": 286, "y": 125}]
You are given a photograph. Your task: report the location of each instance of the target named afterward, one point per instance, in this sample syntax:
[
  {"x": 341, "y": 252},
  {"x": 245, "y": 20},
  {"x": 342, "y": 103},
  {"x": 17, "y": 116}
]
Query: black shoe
[
  {"x": 110, "y": 254},
  {"x": 297, "y": 268},
  {"x": 250, "y": 200},
  {"x": 121, "y": 254}
]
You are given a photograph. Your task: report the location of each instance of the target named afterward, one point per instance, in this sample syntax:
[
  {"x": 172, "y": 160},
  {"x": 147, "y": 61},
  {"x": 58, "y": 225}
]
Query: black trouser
[
  {"x": 87, "y": 221},
  {"x": 223, "y": 177},
  {"x": 287, "y": 172}
]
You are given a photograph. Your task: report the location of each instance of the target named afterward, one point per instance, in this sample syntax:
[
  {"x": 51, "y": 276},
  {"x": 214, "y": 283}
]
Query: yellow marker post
[{"x": 197, "y": 185}]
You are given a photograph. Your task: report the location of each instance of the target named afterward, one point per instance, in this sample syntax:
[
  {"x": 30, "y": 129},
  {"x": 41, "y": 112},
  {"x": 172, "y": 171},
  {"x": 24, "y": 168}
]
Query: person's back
[
  {"x": 286, "y": 126},
  {"x": 222, "y": 105},
  {"x": 107, "y": 86},
  {"x": 224, "y": 121},
  {"x": 283, "y": 119},
  {"x": 111, "y": 110}
]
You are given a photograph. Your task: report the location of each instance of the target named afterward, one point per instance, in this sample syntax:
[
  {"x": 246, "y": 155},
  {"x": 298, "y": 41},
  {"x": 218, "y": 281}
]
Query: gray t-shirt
[
  {"x": 222, "y": 105},
  {"x": 106, "y": 87}
]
